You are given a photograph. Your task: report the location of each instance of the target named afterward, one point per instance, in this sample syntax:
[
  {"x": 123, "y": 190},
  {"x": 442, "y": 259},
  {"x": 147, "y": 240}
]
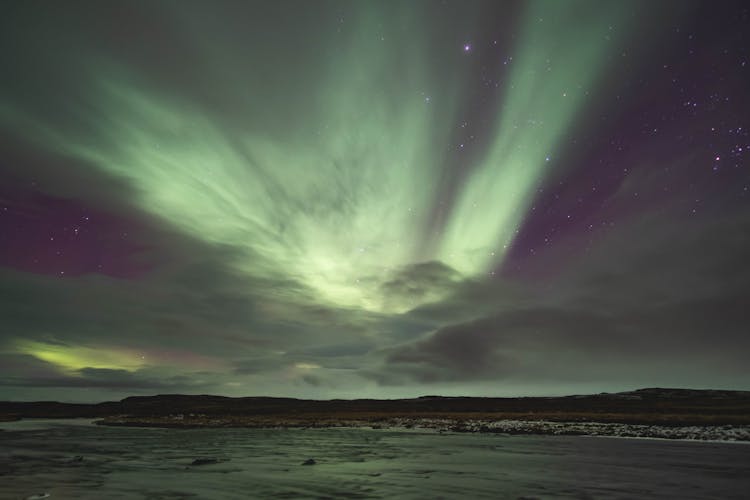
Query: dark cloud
[
  {"x": 403, "y": 288},
  {"x": 259, "y": 365},
  {"x": 655, "y": 308},
  {"x": 312, "y": 380},
  {"x": 420, "y": 280}
]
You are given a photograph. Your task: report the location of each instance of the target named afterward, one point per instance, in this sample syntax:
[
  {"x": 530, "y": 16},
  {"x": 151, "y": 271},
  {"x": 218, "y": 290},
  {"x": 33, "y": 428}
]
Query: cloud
[
  {"x": 419, "y": 283},
  {"x": 193, "y": 308},
  {"x": 250, "y": 226},
  {"x": 649, "y": 310},
  {"x": 254, "y": 366},
  {"x": 101, "y": 378},
  {"x": 312, "y": 380}
]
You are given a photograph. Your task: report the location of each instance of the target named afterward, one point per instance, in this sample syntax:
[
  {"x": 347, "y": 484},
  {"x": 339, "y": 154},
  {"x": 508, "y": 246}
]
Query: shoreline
[
  {"x": 703, "y": 433},
  {"x": 504, "y": 427}
]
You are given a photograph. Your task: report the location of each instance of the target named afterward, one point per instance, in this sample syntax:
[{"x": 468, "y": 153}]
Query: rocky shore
[{"x": 444, "y": 425}]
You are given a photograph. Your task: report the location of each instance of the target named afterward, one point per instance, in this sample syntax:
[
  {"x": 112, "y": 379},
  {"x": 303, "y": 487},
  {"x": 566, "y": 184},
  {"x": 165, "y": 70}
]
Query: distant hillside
[{"x": 652, "y": 405}]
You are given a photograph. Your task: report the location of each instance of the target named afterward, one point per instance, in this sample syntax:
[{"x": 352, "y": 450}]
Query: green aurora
[
  {"x": 337, "y": 199},
  {"x": 338, "y": 196}
]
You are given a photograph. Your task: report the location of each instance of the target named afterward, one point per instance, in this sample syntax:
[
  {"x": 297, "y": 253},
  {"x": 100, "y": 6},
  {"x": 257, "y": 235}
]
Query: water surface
[{"x": 74, "y": 459}]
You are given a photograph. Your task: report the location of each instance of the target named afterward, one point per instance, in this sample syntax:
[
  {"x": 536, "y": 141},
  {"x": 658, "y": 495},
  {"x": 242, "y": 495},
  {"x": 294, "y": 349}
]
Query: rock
[
  {"x": 77, "y": 458},
  {"x": 309, "y": 461},
  {"x": 204, "y": 461}
]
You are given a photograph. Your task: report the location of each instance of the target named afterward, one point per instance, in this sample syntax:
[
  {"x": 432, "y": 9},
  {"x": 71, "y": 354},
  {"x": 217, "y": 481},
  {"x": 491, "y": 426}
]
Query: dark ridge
[{"x": 715, "y": 407}]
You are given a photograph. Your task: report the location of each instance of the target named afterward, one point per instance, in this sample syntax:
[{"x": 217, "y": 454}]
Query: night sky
[{"x": 373, "y": 199}]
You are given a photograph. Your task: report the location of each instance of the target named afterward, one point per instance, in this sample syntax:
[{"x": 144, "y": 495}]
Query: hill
[{"x": 651, "y": 406}]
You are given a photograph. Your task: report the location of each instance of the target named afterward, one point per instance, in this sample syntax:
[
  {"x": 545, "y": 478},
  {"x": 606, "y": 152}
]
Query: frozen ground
[
  {"x": 449, "y": 424},
  {"x": 73, "y": 459},
  {"x": 695, "y": 432}
]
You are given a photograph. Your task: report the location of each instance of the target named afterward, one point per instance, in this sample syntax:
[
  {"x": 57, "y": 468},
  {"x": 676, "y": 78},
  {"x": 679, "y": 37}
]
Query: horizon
[
  {"x": 337, "y": 200},
  {"x": 424, "y": 396}
]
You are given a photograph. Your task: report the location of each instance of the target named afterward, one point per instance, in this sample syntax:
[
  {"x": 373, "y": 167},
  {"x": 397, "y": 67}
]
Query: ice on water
[{"x": 73, "y": 459}]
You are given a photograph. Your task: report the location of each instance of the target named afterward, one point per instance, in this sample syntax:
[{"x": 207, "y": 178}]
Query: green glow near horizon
[
  {"x": 342, "y": 196},
  {"x": 73, "y": 358}
]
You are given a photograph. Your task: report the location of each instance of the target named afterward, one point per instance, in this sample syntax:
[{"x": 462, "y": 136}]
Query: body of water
[{"x": 74, "y": 459}]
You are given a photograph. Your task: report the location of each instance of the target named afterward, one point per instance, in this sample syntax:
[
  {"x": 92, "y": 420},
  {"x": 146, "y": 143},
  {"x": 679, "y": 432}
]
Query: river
[{"x": 75, "y": 459}]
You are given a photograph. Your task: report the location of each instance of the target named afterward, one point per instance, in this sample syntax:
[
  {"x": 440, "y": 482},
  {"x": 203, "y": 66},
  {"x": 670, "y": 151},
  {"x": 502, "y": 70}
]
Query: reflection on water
[{"x": 73, "y": 459}]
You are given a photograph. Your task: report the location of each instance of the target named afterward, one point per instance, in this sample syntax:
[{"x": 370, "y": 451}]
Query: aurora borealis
[{"x": 383, "y": 199}]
